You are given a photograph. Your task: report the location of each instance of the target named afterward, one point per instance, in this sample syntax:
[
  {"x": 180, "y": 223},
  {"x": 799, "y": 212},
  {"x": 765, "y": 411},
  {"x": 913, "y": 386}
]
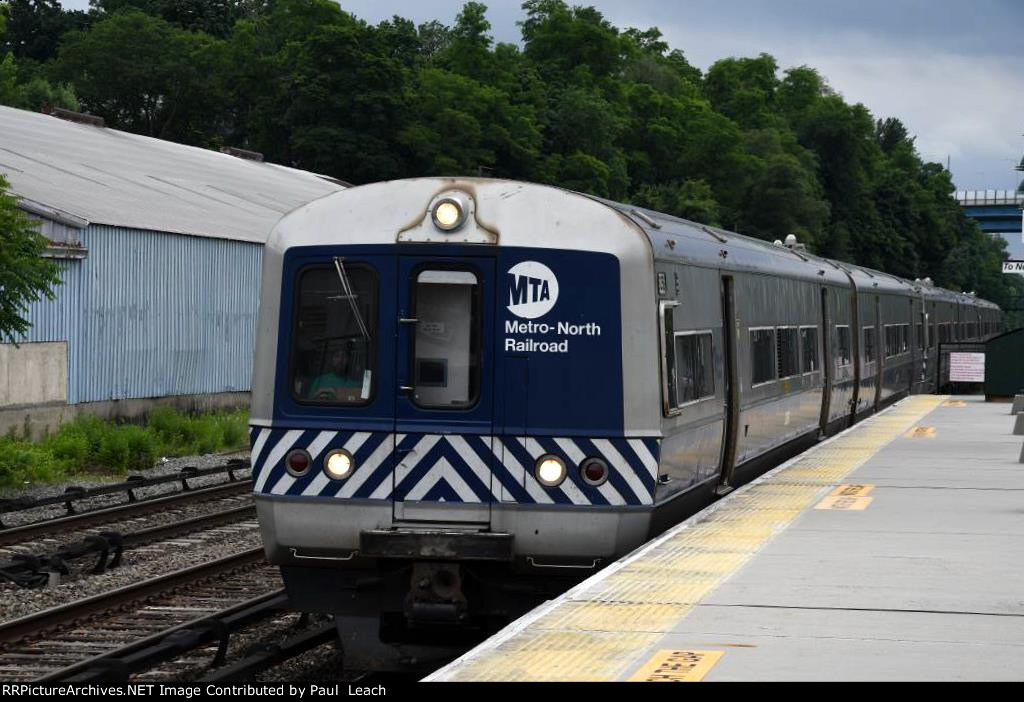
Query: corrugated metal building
[{"x": 160, "y": 249}]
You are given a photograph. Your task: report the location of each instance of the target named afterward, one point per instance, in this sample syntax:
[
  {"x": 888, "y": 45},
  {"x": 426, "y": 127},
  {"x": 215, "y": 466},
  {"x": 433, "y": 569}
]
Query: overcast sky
[{"x": 952, "y": 71}]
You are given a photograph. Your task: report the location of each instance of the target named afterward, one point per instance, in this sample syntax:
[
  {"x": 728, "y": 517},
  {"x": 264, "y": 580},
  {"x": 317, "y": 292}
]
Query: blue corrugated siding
[{"x": 150, "y": 314}]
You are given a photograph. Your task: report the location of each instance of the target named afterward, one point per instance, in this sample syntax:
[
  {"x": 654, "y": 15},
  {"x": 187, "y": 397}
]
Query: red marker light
[
  {"x": 297, "y": 462},
  {"x": 594, "y": 471}
]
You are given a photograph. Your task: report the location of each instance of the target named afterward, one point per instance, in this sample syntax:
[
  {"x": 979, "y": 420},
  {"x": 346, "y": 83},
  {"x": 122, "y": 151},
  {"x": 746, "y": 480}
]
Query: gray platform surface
[{"x": 925, "y": 583}]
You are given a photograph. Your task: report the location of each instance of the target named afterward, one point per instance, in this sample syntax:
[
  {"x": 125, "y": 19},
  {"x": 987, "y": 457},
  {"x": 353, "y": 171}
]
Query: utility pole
[{"x": 1020, "y": 168}]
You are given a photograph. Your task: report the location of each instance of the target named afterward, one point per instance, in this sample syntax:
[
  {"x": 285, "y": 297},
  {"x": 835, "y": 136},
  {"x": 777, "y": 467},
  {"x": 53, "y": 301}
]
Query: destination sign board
[{"x": 1013, "y": 267}]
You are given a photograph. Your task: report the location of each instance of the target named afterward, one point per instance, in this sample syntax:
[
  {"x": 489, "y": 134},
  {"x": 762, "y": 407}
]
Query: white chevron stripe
[
  {"x": 568, "y": 486},
  {"x": 282, "y": 447},
  {"x": 512, "y": 467},
  {"x": 532, "y": 487},
  {"x": 387, "y": 486},
  {"x": 257, "y": 446},
  {"x": 479, "y": 468},
  {"x": 368, "y": 468},
  {"x": 315, "y": 447},
  {"x": 576, "y": 456},
  {"x": 356, "y": 441},
  {"x": 645, "y": 456},
  {"x": 316, "y": 485},
  {"x": 620, "y": 464},
  {"x": 282, "y": 485},
  {"x": 442, "y": 470},
  {"x": 412, "y": 459}
]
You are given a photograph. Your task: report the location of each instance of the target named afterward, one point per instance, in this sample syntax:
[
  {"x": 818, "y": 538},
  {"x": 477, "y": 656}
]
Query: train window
[
  {"x": 809, "y": 349},
  {"x": 333, "y": 344},
  {"x": 870, "y": 347},
  {"x": 891, "y": 340},
  {"x": 762, "y": 354},
  {"x": 788, "y": 351},
  {"x": 904, "y": 337},
  {"x": 920, "y": 336},
  {"x": 446, "y": 358},
  {"x": 694, "y": 369},
  {"x": 844, "y": 346}
]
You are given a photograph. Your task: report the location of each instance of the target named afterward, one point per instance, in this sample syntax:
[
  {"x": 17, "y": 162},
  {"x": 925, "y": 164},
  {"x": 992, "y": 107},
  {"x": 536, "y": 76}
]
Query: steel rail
[
  {"x": 120, "y": 663},
  {"x": 73, "y": 493},
  {"x": 33, "y": 624},
  {"x": 28, "y": 532},
  {"x": 30, "y": 570},
  {"x": 271, "y": 655}
]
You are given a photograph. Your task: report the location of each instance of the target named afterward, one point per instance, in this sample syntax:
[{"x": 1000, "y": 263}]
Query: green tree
[
  {"x": 33, "y": 28},
  {"x": 692, "y": 199},
  {"x": 32, "y": 93},
  {"x": 784, "y": 195},
  {"x": 570, "y": 44},
  {"x": 25, "y": 275},
  {"x": 144, "y": 75},
  {"x": 469, "y": 43},
  {"x": 214, "y": 17},
  {"x": 744, "y": 89}
]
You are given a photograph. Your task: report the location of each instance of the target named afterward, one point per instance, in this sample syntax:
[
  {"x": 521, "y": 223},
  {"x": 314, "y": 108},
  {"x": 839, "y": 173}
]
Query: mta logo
[
  {"x": 525, "y": 289},
  {"x": 532, "y": 289}
]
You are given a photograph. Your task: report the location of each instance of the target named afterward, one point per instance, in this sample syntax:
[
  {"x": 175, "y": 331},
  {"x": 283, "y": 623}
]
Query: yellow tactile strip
[{"x": 600, "y": 630}]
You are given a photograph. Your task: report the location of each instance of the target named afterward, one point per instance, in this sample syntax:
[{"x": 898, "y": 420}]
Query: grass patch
[{"x": 91, "y": 445}]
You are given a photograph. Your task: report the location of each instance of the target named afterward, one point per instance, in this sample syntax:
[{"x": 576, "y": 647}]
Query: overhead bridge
[
  {"x": 892, "y": 551},
  {"x": 998, "y": 213}
]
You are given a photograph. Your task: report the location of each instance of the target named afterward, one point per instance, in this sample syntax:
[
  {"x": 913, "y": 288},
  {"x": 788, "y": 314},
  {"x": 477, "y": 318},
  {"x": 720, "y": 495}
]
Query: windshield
[{"x": 333, "y": 359}]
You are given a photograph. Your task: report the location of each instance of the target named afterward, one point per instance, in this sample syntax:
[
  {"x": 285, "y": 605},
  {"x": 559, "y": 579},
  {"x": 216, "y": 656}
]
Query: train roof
[
  {"x": 542, "y": 218},
  {"x": 684, "y": 241}
]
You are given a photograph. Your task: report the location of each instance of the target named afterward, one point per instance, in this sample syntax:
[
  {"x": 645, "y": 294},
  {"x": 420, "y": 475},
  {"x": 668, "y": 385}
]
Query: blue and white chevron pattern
[{"x": 455, "y": 467}]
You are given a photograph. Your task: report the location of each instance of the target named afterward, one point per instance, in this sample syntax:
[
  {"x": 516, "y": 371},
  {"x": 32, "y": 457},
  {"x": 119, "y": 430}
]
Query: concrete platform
[{"x": 894, "y": 551}]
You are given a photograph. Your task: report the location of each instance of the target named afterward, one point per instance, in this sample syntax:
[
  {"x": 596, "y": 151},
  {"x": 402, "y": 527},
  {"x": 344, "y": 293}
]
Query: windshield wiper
[{"x": 350, "y": 295}]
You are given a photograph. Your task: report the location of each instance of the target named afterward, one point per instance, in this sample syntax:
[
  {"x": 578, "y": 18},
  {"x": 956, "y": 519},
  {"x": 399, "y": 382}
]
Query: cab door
[{"x": 444, "y": 400}]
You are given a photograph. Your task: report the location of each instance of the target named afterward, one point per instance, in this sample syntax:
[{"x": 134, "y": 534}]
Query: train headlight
[
  {"x": 297, "y": 462},
  {"x": 339, "y": 464},
  {"x": 594, "y": 471},
  {"x": 449, "y": 214},
  {"x": 550, "y": 470}
]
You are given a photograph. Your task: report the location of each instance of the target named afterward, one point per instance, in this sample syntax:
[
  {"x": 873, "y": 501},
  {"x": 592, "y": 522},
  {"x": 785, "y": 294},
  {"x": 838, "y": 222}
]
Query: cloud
[{"x": 960, "y": 102}]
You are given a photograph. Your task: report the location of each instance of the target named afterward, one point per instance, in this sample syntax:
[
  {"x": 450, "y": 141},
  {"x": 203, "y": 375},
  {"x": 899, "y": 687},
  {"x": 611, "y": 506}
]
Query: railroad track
[
  {"x": 109, "y": 515},
  {"x": 97, "y": 633},
  {"x": 42, "y": 563}
]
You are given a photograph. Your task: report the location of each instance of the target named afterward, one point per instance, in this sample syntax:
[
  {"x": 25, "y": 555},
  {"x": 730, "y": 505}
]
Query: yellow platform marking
[
  {"x": 852, "y": 490},
  {"x": 849, "y": 504},
  {"x": 954, "y": 403},
  {"x": 677, "y": 666},
  {"x": 921, "y": 433},
  {"x": 598, "y": 630}
]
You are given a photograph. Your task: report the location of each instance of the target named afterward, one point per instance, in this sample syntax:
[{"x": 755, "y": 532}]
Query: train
[{"x": 470, "y": 393}]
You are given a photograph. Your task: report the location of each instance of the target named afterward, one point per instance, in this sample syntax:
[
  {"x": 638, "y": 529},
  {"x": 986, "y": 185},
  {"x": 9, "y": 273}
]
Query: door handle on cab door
[
  {"x": 406, "y": 388},
  {"x": 408, "y": 320}
]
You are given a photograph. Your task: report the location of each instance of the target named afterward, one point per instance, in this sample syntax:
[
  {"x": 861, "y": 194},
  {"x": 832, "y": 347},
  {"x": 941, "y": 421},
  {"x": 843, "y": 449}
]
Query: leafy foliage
[
  {"x": 91, "y": 445},
  {"x": 24, "y": 274},
  {"x": 582, "y": 104}
]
